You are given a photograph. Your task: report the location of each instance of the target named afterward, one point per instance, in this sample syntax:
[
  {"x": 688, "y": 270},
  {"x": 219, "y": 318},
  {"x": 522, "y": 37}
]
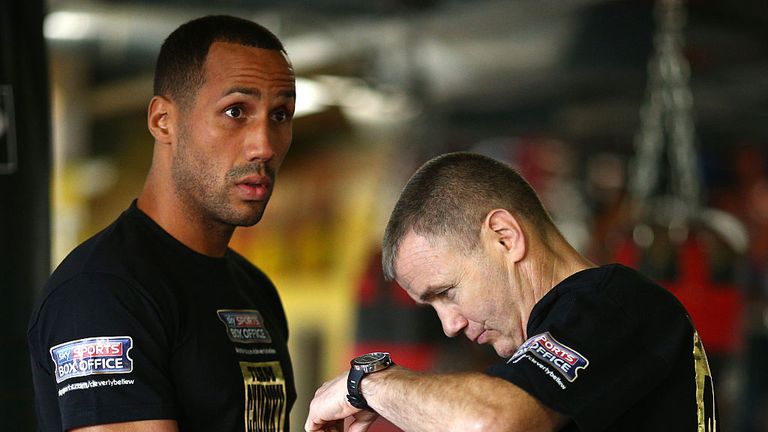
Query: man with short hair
[
  {"x": 585, "y": 347},
  {"x": 155, "y": 323}
]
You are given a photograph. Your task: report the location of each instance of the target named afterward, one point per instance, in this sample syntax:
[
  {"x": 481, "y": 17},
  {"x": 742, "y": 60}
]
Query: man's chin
[
  {"x": 245, "y": 217},
  {"x": 503, "y": 350},
  {"x": 241, "y": 220},
  {"x": 249, "y": 221}
]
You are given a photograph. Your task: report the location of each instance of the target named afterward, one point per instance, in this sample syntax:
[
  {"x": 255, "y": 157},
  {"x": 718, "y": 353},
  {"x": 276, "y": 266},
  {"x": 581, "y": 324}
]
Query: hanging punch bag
[{"x": 695, "y": 252}]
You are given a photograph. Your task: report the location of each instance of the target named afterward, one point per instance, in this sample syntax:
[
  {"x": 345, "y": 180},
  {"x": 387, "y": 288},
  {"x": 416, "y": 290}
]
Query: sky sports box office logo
[
  {"x": 543, "y": 346},
  {"x": 99, "y": 355},
  {"x": 244, "y": 326}
]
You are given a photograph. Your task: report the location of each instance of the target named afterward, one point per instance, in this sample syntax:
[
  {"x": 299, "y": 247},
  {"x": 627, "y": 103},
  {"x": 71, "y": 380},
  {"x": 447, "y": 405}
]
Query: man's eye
[
  {"x": 234, "y": 112},
  {"x": 279, "y": 116}
]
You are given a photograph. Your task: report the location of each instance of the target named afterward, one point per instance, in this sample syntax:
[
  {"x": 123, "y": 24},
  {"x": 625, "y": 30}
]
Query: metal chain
[{"x": 667, "y": 115}]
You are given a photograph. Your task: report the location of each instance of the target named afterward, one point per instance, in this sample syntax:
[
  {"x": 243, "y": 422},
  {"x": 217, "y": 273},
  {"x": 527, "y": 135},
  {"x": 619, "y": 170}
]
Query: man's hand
[{"x": 329, "y": 409}]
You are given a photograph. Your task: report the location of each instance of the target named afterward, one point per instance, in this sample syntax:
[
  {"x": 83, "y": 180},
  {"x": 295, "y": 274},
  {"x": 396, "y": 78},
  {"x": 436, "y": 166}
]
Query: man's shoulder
[
  {"x": 107, "y": 251},
  {"x": 615, "y": 283},
  {"x": 116, "y": 256},
  {"x": 609, "y": 294},
  {"x": 631, "y": 287},
  {"x": 111, "y": 267}
]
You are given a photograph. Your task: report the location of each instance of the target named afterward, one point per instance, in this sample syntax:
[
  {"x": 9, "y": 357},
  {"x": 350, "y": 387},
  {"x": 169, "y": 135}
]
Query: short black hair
[{"x": 179, "y": 69}]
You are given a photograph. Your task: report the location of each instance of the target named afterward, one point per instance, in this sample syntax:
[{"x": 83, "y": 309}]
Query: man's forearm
[{"x": 418, "y": 402}]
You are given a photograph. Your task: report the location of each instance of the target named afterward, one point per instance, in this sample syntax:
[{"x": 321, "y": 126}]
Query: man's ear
[
  {"x": 161, "y": 119},
  {"x": 505, "y": 231}
]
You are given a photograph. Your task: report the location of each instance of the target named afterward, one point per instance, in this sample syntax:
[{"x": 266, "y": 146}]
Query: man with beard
[{"x": 155, "y": 323}]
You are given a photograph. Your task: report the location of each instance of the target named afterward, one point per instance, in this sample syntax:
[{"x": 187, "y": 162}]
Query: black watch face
[{"x": 370, "y": 358}]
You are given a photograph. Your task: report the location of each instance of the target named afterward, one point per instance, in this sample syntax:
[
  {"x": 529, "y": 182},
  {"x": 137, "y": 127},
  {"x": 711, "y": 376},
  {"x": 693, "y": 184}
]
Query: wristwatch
[{"x": 362, "y": 366}]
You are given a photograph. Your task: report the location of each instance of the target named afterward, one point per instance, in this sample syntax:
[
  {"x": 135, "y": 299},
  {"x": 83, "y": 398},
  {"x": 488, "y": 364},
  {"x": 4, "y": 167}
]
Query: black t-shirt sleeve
[
  {"x": 100, "y": 353},
  {"x": 595, "y": 358}
]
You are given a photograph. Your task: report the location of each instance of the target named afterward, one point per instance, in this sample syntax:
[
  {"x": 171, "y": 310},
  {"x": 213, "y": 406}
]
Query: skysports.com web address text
[{"x": 93, "y": 384}]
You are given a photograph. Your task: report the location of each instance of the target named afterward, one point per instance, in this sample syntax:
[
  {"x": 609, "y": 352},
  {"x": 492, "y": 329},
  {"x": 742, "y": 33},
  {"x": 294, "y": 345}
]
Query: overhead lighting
[
  {"x": 311, "y": 97},
  {"x": 65, "y": 25},
  {"x": 359, "y": 101}
]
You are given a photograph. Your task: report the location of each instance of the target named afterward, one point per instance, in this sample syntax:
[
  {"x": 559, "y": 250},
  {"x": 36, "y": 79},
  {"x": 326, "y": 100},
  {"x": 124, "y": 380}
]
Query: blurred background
[{"x": 642, "y": 124}]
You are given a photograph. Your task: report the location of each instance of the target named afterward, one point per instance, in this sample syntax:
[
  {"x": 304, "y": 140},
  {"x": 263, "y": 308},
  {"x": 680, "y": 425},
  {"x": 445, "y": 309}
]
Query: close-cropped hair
[
  {"x": 179, "y": 71},
  {"x": 449, "y": 197}
]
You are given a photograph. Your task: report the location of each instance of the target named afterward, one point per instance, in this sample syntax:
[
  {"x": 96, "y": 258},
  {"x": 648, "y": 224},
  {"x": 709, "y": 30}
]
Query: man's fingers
[
  {"x": 335, "y": 426},
  {"x": 362, "y": 421}
]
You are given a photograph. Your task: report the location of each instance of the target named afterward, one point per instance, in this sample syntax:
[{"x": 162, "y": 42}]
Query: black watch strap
[{"x": 355, "y": 396}]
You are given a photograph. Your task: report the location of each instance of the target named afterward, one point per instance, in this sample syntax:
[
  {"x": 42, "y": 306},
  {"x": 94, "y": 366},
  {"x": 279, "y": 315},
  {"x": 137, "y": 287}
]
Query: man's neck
[
  {"x": 555, "y": 262},
  {"x": 205, "y": 237}
]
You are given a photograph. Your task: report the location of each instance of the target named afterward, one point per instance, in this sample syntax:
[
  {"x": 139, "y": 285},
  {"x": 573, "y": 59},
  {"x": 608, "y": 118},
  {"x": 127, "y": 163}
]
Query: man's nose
[
  {"x": 453, "y": 322},
  {"x": 259, "y": 142}
]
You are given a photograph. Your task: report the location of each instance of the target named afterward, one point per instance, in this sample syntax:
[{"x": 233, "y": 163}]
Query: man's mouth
[
  {"x": 254, "y": 188},
  {"x": 482, "y": 338}
]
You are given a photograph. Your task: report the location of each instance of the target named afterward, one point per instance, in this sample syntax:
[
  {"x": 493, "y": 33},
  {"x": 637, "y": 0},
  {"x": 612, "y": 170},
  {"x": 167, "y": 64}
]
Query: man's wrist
[
  {"x": 361, "y": 368},
  {"x": 375, "y": 384}
]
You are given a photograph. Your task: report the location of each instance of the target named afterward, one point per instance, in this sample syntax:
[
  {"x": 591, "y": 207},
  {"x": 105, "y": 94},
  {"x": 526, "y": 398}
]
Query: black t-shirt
[
  {"x": 133, "y": 325},
  {"x": 614, "y": 352}
]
